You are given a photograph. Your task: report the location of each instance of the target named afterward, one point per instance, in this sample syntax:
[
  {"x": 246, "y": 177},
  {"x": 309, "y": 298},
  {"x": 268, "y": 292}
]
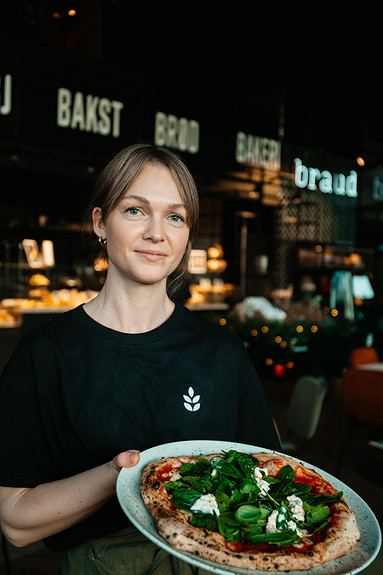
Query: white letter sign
[
  {"x": 259, "y": 152},
  {"x": 178, "y": 133},
  {"x": 6, "y": 95},
  {"x": 312, "y": 178},
  {"x": 89, "y": 114}
]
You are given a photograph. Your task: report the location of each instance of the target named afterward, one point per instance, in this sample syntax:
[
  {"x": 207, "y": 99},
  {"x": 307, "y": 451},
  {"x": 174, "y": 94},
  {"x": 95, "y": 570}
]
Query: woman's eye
[
  {"x": 176, "y": 218},
  {"x": 133, "y": 211}
]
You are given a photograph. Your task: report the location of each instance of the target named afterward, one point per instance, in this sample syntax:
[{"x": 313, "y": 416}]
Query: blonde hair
[{"x": 119, "y": 175}]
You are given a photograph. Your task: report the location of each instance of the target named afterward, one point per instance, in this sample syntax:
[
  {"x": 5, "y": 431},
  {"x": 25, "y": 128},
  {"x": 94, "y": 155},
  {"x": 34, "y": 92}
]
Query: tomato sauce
[{"x": 166, "y": 472}]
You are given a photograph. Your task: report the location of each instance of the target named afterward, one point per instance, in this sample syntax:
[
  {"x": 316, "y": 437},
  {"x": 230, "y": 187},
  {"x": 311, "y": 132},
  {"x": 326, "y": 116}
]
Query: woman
[{"x": 85, "y": 392}]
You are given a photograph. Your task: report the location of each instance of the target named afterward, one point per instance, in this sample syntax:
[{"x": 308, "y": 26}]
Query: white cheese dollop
[
  {"x": 259, "y": 474},
  {"x": 296, "y": 507},
  {"x": 205, "y": 504},
  {"x": 271, "y": 522}
]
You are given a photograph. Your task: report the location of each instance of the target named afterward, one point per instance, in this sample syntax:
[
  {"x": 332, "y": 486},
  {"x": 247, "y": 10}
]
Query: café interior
[{"x": 289, "y": 253}]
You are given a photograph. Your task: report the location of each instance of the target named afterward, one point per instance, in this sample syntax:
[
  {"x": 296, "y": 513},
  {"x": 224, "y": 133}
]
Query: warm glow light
[
  {"x": 278, "y": 339},
  {"x": 100, "y": 264},
  {"x": 268, "y": 361},
  {"x": 254, "y": 332},
  {"x": 314, "y": 328},
  {"x": 290, "y": 364},
  {"x": 279, "y": 370},
  {"x": 283, "y": 344},
  {"x": 222, "y": 321},
  {"x": 265, "y": 329},
  {"x": 334, "y": 312},
  {"x": 299, "y": 328},
  {"x": 215, "y": 251},
  {"x": 360, "y": 161},
  {"x": 72, "y": 12}
]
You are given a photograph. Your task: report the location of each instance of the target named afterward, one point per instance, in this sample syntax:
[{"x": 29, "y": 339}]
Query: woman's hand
[{"x": 128, "y": 458}]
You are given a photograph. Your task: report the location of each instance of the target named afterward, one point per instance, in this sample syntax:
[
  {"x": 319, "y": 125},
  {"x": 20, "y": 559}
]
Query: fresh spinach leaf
[
  {"x": 284, "y": 538},
  {"x": 206, "y": 520},
  {"x": 184, "y": 498},
  {"x": 247, "y": 514},
  {"x": 316, "y": 515}
]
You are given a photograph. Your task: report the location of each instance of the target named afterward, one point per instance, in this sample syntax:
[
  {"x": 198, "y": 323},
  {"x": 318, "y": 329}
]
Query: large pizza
[{"x": 252, "y": 510}]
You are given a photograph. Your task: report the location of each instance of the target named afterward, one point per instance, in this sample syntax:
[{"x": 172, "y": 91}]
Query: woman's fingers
[{"x": 128, "y": 458}]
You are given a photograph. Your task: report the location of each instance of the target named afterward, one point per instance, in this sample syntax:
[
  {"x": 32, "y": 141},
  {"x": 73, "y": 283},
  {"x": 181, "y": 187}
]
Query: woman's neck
[{"x": 130, "y": 311}]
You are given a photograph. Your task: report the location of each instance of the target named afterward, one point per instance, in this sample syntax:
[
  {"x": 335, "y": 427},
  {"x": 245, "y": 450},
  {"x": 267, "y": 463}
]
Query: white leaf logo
[{"x": 191, "y": 400}]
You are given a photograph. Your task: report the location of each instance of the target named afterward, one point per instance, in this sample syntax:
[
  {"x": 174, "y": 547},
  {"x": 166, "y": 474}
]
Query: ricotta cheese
[
  {"x": 205, "y": 504},
  {"x": 259, "y": 474},
  {"x": 296, "y": 508},
  {"x": 271, "y": 526}
]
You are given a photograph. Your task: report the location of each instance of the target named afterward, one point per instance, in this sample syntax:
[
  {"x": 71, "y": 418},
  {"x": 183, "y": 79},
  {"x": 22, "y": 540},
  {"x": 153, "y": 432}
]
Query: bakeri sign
[{"x": 325, "y": 181}]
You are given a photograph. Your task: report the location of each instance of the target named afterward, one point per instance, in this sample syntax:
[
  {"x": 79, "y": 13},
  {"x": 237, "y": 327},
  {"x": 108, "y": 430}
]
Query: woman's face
[{"x": 146, "y": 232}]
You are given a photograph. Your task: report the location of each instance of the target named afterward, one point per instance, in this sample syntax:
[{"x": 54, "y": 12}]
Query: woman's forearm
[{"x": 30, "y": 514}]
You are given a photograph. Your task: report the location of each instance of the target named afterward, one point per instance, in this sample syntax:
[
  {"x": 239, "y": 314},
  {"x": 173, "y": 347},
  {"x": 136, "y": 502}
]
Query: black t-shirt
[{"x": 75, "y": 393}]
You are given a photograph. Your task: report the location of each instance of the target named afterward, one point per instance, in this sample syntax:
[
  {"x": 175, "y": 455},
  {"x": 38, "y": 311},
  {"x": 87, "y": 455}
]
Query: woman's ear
[{"x": 98, "y": 222}]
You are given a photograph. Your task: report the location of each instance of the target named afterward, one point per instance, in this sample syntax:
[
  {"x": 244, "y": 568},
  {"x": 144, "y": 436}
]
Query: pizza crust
[{"x": 173, "y": 526}]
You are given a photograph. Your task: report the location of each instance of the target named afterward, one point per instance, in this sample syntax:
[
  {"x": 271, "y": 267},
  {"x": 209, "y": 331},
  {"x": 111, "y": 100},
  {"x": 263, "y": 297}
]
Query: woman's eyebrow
[{"x": 143, "y": 200}]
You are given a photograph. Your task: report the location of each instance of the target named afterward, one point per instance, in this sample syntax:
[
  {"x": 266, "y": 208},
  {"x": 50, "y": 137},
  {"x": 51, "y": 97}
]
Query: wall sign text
[
  {"x": 178, "y": 133},
  {"x": 259, "y": 152},
  {"x": 88, "y": 113},
  {"x": 312, "y": 179},
  {"x": 5, "y": 94}
]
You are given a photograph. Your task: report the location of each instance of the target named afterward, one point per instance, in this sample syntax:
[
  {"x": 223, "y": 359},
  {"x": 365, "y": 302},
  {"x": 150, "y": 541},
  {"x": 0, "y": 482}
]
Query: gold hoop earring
[{"x": 102, "y": 241}]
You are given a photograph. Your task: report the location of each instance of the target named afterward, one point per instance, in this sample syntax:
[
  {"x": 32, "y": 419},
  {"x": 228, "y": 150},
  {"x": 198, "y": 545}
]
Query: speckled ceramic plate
[{"x": 129, "y": 496}]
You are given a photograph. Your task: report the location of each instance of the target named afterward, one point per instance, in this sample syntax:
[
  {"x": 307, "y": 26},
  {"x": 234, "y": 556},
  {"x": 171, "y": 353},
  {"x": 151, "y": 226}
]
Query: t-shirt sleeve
[
  {"x": 23, "y": 450},
  {"x": 255, "y": 424}
]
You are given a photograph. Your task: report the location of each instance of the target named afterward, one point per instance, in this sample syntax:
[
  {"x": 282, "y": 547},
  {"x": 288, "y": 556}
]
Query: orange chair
[
  {"x": 362, "y": 392},
  {"x": 361, "y": 355}
]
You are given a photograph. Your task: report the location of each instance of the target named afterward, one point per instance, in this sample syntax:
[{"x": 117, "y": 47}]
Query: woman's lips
[{"x": 152, "y": 255}]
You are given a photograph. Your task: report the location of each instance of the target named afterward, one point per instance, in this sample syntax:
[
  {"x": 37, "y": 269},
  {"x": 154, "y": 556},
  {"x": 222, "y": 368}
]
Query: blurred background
[{"x": 277, "y": 112}]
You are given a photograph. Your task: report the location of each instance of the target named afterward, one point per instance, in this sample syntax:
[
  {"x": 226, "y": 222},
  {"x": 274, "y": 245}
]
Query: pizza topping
[
  {"x": 233, "y": 495},
  {"x": 259, "y": 474},
  {"x": 205, "y": 504},
  {"x": 296, "y": 507}
]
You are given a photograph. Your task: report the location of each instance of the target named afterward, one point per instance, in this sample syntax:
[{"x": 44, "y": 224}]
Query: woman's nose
[{"x": 154, "y": 230}]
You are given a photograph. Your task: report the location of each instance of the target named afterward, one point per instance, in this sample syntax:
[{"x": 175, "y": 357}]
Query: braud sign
[{"x": 326, "y": 182}]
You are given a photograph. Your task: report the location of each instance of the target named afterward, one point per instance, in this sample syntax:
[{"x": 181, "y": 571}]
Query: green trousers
[{"x": 126, "y": 552}]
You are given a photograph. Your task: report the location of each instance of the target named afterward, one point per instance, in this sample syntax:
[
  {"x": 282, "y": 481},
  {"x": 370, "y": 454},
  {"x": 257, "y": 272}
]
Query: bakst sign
[
  {"x": 325, "y": 181},
  {"x": 88, "y": 113}
]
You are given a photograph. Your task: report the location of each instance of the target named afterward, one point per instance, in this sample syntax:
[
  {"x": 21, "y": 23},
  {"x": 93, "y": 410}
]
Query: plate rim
[{"x": 204, "y": 445}]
